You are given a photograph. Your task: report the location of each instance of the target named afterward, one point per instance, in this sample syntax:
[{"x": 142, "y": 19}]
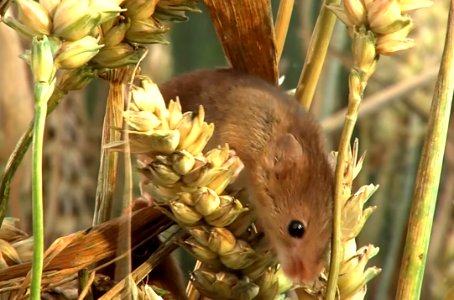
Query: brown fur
[{"x": 286, "y": 168}]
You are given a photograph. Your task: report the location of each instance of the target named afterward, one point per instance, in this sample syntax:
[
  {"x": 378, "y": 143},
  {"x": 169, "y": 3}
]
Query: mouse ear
[{"x": 287, "y": 152}]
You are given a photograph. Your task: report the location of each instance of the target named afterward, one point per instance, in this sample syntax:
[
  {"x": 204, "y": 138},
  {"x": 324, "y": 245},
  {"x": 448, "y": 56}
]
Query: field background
[{"x": 391, "y": 129}]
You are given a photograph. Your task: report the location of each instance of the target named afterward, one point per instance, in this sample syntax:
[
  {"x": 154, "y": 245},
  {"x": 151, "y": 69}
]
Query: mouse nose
[{"x": 300, "y": 271}]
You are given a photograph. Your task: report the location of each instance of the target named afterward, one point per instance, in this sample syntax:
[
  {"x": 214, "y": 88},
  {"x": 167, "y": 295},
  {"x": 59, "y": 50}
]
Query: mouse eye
[{"x": 296, "y": 229}]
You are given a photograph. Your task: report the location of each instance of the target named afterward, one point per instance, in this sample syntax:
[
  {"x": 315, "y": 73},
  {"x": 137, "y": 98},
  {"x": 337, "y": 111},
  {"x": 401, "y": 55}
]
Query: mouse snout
[{"x": 299, "y": 270}]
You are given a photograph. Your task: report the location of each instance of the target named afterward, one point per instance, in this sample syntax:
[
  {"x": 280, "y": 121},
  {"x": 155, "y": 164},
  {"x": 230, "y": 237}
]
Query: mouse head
[{"x": 293, "y": 199}]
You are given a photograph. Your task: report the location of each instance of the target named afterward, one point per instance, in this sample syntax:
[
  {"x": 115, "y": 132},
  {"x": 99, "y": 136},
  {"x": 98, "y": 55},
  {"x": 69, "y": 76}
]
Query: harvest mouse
[{"x": 288, "y": 176}]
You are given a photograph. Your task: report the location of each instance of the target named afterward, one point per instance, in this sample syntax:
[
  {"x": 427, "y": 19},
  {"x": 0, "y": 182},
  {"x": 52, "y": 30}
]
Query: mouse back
[{"x": 247, "y": 111}]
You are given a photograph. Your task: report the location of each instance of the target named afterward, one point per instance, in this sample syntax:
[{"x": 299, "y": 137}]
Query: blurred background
[{"x": 391, "y": 129}]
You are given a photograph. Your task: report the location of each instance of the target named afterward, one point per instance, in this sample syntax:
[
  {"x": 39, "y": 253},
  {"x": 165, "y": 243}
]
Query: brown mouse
[{"x": 287, "y": 172}]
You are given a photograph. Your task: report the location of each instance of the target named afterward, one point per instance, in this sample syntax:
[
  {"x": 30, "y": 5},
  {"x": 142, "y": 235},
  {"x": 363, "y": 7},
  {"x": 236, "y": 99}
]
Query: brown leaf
[{"x": 245, "y": 29}]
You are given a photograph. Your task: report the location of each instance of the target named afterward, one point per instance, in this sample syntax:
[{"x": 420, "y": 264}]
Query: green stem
[
  {"x": 402, "y": 209},
  {"x": 18, "y": 154},
  {"x": 85, "y": 284},
  {"x": 37, "y": 187},
  {"x": 342, "y": 190},
  {"x": 428, "y": 178},
  {"x": 316, "y": 55}
]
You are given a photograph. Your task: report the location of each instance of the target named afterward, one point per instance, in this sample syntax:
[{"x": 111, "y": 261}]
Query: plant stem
[
  {"x": 342, "y": 190},
  {"x": 428, "y": 178},
  {"x": 284, "y": 15},
  {"x": 316, "y": 54},
  {"x": 37, "y": 188},
  {"x": 409, "y": 151},
  {"x": 108, "y": 169}
]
